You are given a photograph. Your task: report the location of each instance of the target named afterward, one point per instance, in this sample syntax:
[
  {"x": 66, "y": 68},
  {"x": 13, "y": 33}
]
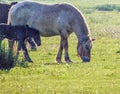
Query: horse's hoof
[
  {"x": 59, "y": 61},
  {"x": 68, "y": 61},
  {"x": 29, "y": 60}
]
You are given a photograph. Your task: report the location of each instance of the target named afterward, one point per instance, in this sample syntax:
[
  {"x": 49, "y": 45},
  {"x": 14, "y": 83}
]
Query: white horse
[{"x": 57, "y": 19}]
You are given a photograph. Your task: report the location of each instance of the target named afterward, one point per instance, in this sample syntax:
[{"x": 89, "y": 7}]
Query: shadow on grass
[
  {"x": 53, "y": 63},
  {"x": 63, "y": 63},
  {"x": 118, "y": 52},
  {"x": 9, "y": 65}
]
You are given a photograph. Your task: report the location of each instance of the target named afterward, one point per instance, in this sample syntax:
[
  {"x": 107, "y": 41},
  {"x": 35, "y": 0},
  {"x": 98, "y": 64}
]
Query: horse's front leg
[{"x": 65, "y": 46}]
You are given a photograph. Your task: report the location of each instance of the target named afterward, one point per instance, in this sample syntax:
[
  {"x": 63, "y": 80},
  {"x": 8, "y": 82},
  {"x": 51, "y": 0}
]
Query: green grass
[{"x": 100, "y": 76}]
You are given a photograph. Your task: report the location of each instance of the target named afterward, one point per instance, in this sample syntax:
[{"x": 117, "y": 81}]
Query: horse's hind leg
[{"x": 58, "y": 58}]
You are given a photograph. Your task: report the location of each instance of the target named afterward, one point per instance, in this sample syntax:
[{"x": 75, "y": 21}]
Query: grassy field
[{"x": 100, "y": 76}]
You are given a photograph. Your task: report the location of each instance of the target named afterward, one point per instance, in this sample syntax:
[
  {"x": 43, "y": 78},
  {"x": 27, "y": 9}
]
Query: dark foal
[
  {"x": 20, "y": 33},
  {"x": 4, "y": 9}
]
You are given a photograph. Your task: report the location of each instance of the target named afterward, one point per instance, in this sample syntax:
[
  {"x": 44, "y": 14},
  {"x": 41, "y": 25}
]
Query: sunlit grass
[
  {"x": 45, "y": 76},
  {"x": 101, "y": 75}
]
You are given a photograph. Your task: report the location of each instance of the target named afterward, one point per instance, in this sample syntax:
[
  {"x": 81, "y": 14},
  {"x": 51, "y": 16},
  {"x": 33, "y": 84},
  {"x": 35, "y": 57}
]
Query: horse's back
[{"x": 48, "y": 19}]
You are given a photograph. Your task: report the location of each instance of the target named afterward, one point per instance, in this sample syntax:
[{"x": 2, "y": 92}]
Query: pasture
[{"x": 45, "y": 76}]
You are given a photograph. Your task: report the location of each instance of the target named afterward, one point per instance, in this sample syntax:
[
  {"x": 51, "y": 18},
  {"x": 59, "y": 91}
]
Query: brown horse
[
  {"x": 57, "y": 19},
  {"x": 4, "y": 8}
]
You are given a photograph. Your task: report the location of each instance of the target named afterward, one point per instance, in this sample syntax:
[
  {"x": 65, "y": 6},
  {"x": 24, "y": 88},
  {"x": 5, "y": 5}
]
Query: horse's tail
[
  {"x": 9, "y": 16},
  {"x": 9, "y": 19}
]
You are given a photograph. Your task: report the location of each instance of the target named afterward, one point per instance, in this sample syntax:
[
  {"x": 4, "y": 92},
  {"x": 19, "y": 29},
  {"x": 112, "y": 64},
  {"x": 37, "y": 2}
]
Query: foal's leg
[
  {"x": 27, "y": 57},
  {"x": 21, "y": 45}
]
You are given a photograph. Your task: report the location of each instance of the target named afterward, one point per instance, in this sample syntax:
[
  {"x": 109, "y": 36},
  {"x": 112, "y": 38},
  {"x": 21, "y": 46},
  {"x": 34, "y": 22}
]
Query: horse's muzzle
[
  {"x": 85, "y": 59},
  {"x": 38, "y": 44}
]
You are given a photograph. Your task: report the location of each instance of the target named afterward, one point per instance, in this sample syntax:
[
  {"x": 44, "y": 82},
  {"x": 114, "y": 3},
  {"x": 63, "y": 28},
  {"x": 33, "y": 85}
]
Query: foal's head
[
  {"x": 36, "y": 37},
  {"x": 84, "y": 49},
  {"x": 35, "y": 34}
]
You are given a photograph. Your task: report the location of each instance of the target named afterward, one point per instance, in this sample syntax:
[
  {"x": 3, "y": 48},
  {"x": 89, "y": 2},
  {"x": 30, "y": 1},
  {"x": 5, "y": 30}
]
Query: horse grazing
[
  {"x": 56, "y": 19},
  {"x": 20, "y": 33}
]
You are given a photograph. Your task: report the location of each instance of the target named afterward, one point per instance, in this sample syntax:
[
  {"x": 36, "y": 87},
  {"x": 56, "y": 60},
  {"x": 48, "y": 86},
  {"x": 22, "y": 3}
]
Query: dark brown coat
[
  {"x": 4, "y": 9},
  {"x": 20, "y": 33}
]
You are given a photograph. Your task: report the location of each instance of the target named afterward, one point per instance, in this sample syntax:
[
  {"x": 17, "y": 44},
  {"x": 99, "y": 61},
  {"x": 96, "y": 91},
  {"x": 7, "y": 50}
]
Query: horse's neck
[
  {"x": 28, "y": 33},
  {"x": 81, "y": 36},
  {"x": 83, "y": 32}
]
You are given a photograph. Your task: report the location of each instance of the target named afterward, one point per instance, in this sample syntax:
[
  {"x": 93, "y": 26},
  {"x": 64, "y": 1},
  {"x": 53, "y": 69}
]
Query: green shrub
[
  {"x": 106, "y": 7},
  {"x": 118, "y": 8},
  {"x": 3, "y": 1},
  {"x": 7, "y": 59}
]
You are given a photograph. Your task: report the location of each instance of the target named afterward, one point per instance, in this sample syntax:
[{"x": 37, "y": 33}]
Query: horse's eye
[{"x": 87, "y": 47}]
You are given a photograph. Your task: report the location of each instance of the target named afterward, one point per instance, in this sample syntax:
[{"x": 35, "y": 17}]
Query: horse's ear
[
  {"x": 27, "y": 26},
  {"x": 13, "y": 3},
  {"x": 92, "y": 39}
]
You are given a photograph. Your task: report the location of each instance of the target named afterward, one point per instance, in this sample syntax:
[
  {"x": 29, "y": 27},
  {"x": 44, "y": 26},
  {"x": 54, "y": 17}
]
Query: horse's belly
[
  {"x": 45, "y": 28},
  {"x": 48, "y": 33}
]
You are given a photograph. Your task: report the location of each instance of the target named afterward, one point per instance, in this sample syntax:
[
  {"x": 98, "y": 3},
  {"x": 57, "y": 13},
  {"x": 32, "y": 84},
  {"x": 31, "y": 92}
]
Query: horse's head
[
  {"x": 36, "y": 38},
  {"x": 33, "y": 34},
  {"x": 84, "y": 49}
]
